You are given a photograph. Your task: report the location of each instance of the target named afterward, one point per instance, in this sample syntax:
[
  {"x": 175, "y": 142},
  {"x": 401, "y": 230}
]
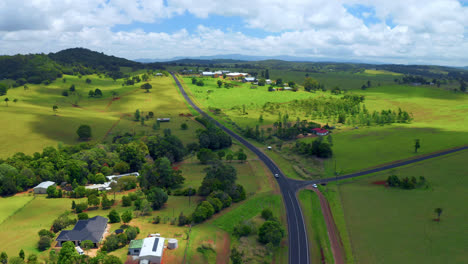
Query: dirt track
[{"x": 333, "y": 234}]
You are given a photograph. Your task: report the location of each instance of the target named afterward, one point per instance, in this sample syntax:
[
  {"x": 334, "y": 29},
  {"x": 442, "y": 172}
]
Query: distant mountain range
[{"x": 233, "y": 58}]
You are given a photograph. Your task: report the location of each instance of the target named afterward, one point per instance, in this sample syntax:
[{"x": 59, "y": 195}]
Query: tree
[
  {"x": 157, "y": 197},
  {"x": 21, "y": 254},
  {"x": 4, "y": 258},
  {"x": 55, "y": 109},
  {"x": 91, "y": 93},
  {"x": 241, "y": 156},
  {"x": 114, "y": 217},
  {"x": 311, "y": 84},
  {"x": 127, "y": 216},
  {"x": 32, "y": 259},
  {"x": 3, "y": 89},
  {"x": 72, "y": 88},
  {"x": 267, "y": 214},
  {"x": 126, "y": 201},
  {"x": 270, "y": 232},
  {"x": 417, "y": 145},
  {"x": 93, "y": 200},
  {"x": 137, "y": 115},
  {"x": 73, "y": 205},
  {"x": 146, "y": 86},
  {"x": 15, "y": 100},
  {"x": 6, "y": 101},
  {"x": 97, "y": 92},
  {"x": 84, "y": 132},
  {"x": 52, "y": 192},
  {"x": 83, "y": 216},
  {"x": 236, "y": 256},
  {"x": 16, "y": 260},
  {"x": 438, "y": 211},
  {"x": 462, "y": 86},
  {"x": 87, "y": 244},
  {"x": 88, "y": 80},
  {"x": 229, "y": 157},
  {"x": 330, "y": 140},
  {"x": 205, "y": 155},
  {"x": 68, "y": 253},
  {"x": 110, "y": 259},
  {"x": 184, "y": 126},
  {"x": 44, "y": 243}
]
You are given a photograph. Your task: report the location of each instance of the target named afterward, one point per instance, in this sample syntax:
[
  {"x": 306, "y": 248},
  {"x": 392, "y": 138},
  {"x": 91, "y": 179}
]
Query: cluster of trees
[
  {"x": 68, "y": 254},
  {"x": 270, "y": 233},
  {"x": 206, "y": 156},
  {"x": 348, "y": 109},
  {"x": 220, "y": 188},
  {"x": 317, "y": 148},
  {"x": 96, "y": 93},
  {"x": 88, "y": 162},
  {"x": 116, "y": 241},
  {"x": 311, "y": 85},
  {"x": 198, "y": 82},
  {"x": 406, "y": 183},
  {"x": 212, "y": 137},
  {"x": 45, "y": 239},
  {"x": 131, "y": 80}
]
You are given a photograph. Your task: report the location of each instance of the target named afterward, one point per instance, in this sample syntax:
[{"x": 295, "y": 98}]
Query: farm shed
[
  {"x": 42, "y": 187},
  {"x": 149, "y": 250},
  {"x": 249, "y": 79},
  {"x": 207, "y": 73},
  {"x": 320, "y": 131},
  {"x": 163, "y": 119}
]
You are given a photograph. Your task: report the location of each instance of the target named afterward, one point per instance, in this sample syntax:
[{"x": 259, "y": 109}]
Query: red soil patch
[
  {"x": 380, "y": 182},
  {"x": 436, "y": 220},
  {"x": 322, "y": 256},
  {"x": 223, "y": 254}
]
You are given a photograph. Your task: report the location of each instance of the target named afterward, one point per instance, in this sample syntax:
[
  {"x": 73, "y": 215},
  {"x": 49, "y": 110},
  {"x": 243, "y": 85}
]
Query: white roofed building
[
  {"x": 151, "y": 250},
  {"x": 41, "y": 188}
]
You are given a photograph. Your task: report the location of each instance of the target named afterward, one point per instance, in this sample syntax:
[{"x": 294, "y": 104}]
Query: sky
[{"x": 384, "y": 31}]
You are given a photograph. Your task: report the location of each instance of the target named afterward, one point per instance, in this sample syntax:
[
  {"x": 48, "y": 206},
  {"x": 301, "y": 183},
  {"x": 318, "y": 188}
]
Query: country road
[{"x": 297, "y": 235}]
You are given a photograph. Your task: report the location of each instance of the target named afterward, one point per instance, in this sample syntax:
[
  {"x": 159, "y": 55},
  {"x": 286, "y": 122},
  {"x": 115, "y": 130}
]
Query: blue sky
[{"x": 387, "y": 31}]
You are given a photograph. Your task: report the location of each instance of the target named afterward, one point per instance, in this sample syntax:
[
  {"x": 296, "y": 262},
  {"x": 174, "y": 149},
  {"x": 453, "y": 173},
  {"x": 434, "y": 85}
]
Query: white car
[
  {"x": 314, "y": 185},
  {"x": 276, "y": 175}
]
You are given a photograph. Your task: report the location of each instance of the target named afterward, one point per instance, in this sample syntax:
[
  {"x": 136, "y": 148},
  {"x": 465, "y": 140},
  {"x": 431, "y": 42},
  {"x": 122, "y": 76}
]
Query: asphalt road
[
  {"x": 297, "y": 234},
  {"x": 297, "y": 184}
]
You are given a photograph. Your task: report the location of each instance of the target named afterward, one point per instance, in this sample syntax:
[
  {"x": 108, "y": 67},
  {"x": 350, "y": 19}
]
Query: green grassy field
[
  {"x": 319, "y": 242},
  {"x": 9, "y": 205},
  {"x": 389, "y": 225},
  {"x": 30, "y": 124}
]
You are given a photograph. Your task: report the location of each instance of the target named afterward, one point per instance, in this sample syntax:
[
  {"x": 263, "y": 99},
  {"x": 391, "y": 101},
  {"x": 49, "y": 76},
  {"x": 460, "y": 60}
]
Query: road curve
[{"x": 297, "y": 235}]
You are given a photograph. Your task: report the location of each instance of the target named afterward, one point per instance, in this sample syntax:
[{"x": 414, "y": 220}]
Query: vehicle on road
[
  {"x": 276, "y": 175},
  {"x": 314, "y": 185}
]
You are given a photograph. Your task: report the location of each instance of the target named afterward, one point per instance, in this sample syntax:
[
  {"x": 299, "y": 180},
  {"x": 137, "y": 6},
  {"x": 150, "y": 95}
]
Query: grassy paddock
[
  {"x": 316, "y": 227},
  {"x": 389, "y": 225}
]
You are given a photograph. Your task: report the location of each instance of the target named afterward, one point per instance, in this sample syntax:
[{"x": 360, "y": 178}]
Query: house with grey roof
[
  {"x": 41, "y": 188},
  {"x": 91, "y": 229}
]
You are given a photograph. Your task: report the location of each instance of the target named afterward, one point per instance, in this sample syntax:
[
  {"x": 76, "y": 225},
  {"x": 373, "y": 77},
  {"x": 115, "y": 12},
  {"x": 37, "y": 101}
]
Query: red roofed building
[{"x": 320, "y": 131}]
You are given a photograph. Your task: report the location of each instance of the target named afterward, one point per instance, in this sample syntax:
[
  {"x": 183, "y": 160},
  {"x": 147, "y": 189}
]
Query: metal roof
[
  {"x": 136, "y": 243},
  {"x": 152, "y": 246},
  {"x": 45, "y": 184}
]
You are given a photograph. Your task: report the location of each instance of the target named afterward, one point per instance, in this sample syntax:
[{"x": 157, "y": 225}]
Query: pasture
[
  {"x": 392, "y": 225},
  {"x": 319, "y": 244},
  {"x": 30, "y": 124}
]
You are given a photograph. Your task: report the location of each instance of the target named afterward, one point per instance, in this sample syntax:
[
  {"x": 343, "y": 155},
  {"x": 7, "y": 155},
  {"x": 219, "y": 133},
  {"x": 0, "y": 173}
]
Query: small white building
[
  {"x": 116, "y": 177},
  {"x": 149, "y": 250},
  {"x": 207, "y": 73},
  {"x": 249, "y": 79},
  {"x": 42, "y": 187},
  {"x": 267, "y": 81}
]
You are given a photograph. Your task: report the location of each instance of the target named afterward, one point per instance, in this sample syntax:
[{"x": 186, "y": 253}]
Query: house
[
  {"x": 287, "y": 88},
  {"x": 163, "y": 119},
  {"x": 42, "y": 187},
  {"x": 216, "y": 74},
  {"x": 320, "y": 131},
  {"x": 149, "y": 250},
  {"x": 267, "y": 81},
  {"x": 207, "y": 74},
  {"x": 91, "y": 229},
  {"x": 158, "y": 74},
  {"x": 249, "y": 79}
]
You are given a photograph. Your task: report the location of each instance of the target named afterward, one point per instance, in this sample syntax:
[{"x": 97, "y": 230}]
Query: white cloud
[{"x": 426, "y": 31}]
